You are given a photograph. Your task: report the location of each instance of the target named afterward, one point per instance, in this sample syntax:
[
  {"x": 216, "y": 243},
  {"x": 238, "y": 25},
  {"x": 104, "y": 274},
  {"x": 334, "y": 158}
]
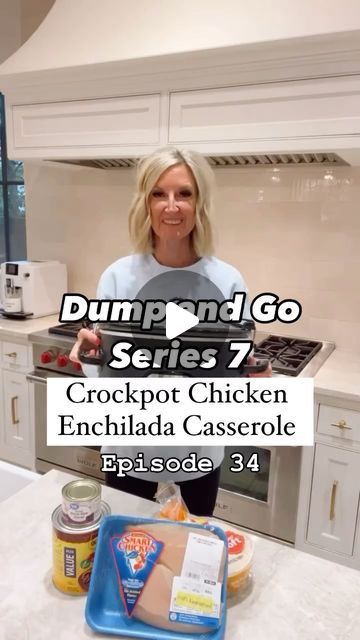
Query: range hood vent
[{"x": 270, "y": 160}]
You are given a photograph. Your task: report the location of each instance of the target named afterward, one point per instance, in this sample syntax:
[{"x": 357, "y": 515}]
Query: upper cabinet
[
  {"x": 296, "y": 95},
  {"x": 267, "y": 117},
  {"x": 126, "y": 124},
  {"x": 298, "y": 116}
]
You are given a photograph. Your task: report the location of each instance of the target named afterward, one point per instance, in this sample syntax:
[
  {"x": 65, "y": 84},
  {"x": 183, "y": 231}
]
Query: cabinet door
[
  {"x": 16, "y": 412},
  {"x": 277, "y": 112},
  {"x": 334, "y": 499},
  {"x": 115, "y": 123}
]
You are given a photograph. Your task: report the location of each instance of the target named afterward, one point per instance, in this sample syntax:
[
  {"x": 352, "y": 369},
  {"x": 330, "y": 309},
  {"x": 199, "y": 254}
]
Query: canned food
[
  {"x": 73, "y": 551},
  {"x": 81, "y": 500}
]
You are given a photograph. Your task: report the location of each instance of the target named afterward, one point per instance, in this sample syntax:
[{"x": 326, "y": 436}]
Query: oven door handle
[{"x": 32, "y": 377}]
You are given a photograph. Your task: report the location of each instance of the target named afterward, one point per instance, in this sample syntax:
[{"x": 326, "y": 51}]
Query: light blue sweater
[{"x": 122, "y": 280}]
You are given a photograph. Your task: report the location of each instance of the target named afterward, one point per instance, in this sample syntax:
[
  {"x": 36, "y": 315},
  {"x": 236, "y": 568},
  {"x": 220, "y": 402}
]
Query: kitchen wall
[{"x": 294, "y": 232}]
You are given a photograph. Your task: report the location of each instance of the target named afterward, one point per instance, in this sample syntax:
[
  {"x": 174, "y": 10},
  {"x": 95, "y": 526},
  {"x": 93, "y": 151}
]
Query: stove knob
[
  {"x": 62, "y": 360},
  {"x": 77, "y": 366},
  {"x": 47, "y": 357}
]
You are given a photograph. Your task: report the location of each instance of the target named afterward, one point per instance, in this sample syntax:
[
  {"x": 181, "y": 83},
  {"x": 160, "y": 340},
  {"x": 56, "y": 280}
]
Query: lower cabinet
[
  {"x": 16, "y": 410},
  {"x": 16, "y": 433},
  {"x": 334, "y": 500},
  {"x": 328, "y": 523}
]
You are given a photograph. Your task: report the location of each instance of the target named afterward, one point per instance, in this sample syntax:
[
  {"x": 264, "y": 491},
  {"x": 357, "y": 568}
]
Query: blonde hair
[{"x": 149, "y": 172}]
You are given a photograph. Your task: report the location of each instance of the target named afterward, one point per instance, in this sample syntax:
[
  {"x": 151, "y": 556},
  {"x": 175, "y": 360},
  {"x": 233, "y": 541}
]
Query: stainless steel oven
[
  {"x": 79, "y": 460},
  {"x": 265, "y": 500}
]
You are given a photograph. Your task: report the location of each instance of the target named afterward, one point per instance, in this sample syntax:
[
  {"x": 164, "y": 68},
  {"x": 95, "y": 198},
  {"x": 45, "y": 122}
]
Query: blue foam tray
[{"x": 105, "y": 611}]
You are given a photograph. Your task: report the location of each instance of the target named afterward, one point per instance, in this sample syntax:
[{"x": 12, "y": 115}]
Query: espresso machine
[{"x": 32, "y": 289}]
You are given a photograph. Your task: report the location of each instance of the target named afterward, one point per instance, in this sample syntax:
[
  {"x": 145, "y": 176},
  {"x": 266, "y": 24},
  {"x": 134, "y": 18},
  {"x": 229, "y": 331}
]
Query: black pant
[{"x": 199, "y": 495}]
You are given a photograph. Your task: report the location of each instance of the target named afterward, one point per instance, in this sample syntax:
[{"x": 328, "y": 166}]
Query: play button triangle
[{"x": 178, "y": 320}]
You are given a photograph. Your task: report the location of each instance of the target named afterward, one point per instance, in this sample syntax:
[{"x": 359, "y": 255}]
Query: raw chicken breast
[
  {"x": 154, "y": 603},
  {"x": 175, "y": 537}
]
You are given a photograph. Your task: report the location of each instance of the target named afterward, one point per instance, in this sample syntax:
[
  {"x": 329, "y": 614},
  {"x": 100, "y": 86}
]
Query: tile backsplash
[{"x": 291, "y": 231}]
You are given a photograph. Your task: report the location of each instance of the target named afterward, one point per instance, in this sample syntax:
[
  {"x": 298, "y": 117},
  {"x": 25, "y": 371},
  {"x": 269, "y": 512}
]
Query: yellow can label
[{"x": 73, "y": 561}]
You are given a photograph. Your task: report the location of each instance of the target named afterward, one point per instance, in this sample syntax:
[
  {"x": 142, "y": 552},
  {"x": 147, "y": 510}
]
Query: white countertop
[
  {"x": 295, "y": 596},
  {"x": 23, "y": 328},
  {"x": 340, "y": 376}
]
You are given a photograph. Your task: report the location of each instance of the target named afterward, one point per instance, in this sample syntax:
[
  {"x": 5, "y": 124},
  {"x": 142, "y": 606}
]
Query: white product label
[
  {"x": 202, "y": 558},
  {"x": 81, "y": 512},
  {"x": 196, "y": 594}
]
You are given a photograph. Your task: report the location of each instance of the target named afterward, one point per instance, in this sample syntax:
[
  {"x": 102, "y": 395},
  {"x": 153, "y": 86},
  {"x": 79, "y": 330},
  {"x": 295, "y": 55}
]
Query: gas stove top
[
  {"x": 70, "y": 329},
  {"x": 289, "y": 356},
  {"x": 292, "y": 356}
]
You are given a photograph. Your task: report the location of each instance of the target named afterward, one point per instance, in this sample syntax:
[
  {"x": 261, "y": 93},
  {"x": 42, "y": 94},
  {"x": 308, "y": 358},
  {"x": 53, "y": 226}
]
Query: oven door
[
  {"x": 80, "y": 460},
  {"x": 265, "y": 500}
]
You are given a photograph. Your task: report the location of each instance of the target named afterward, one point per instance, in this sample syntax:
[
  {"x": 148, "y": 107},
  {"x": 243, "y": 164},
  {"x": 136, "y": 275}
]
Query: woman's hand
[
  {"x": 88, "y": 341},
  {"x": 261, "y": 374}
]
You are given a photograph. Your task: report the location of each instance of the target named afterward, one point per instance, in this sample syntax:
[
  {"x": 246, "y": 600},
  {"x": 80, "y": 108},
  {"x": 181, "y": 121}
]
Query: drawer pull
[
  {"x": 341, "y": 424},
  {"x": 333, "y": 500},
  {"x": 13, "y": 354},
  {"x": 14, "y": 419}
]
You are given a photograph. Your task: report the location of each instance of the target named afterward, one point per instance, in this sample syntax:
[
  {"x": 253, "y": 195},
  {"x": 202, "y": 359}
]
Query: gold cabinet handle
[
  {"x": 14, "y": 419},
  {"x": 341, "y": 424},
  {"x": 13, "y": 354},
  {"x": 333, "y": 500}
]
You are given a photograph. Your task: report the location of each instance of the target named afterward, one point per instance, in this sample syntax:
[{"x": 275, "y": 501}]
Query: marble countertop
[
  {"x": 23, "y": 328},
  {"x": 294, "y": 595},
  {"x": 340, "y": 376}
]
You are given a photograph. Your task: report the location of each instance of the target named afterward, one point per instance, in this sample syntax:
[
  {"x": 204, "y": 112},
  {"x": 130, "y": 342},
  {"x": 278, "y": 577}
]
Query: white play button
[{"x": 178, "y": 320}]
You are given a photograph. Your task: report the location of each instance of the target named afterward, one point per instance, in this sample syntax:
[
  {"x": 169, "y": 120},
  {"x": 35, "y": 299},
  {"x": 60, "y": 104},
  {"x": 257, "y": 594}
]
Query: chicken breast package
[{"x": 170, "y": 577}]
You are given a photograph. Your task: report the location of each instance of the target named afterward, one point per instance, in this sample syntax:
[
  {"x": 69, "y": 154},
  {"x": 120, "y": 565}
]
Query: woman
[{"x": 170, "y": 228}]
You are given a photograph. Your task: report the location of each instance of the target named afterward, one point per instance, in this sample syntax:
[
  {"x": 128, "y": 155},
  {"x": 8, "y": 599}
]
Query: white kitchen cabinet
[
  {"x": 16, "y": 410},
  {"x": 334, "y": 499},
  {"x": 339, "y": 423},
  {"x": 328, "y": 522},
  {"x": 16, "y": 429},
  {"x": 14, "y": 356},
  {"x": 321, "y": 114},
  {"x": 267, "y": 116},
  {"x": 128, "y": 124}
]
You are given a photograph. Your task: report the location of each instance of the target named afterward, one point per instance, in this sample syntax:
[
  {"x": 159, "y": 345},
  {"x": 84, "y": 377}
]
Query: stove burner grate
[
  {"x": 288, "y": 356},
  {"x": 70, "y": 329}
]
